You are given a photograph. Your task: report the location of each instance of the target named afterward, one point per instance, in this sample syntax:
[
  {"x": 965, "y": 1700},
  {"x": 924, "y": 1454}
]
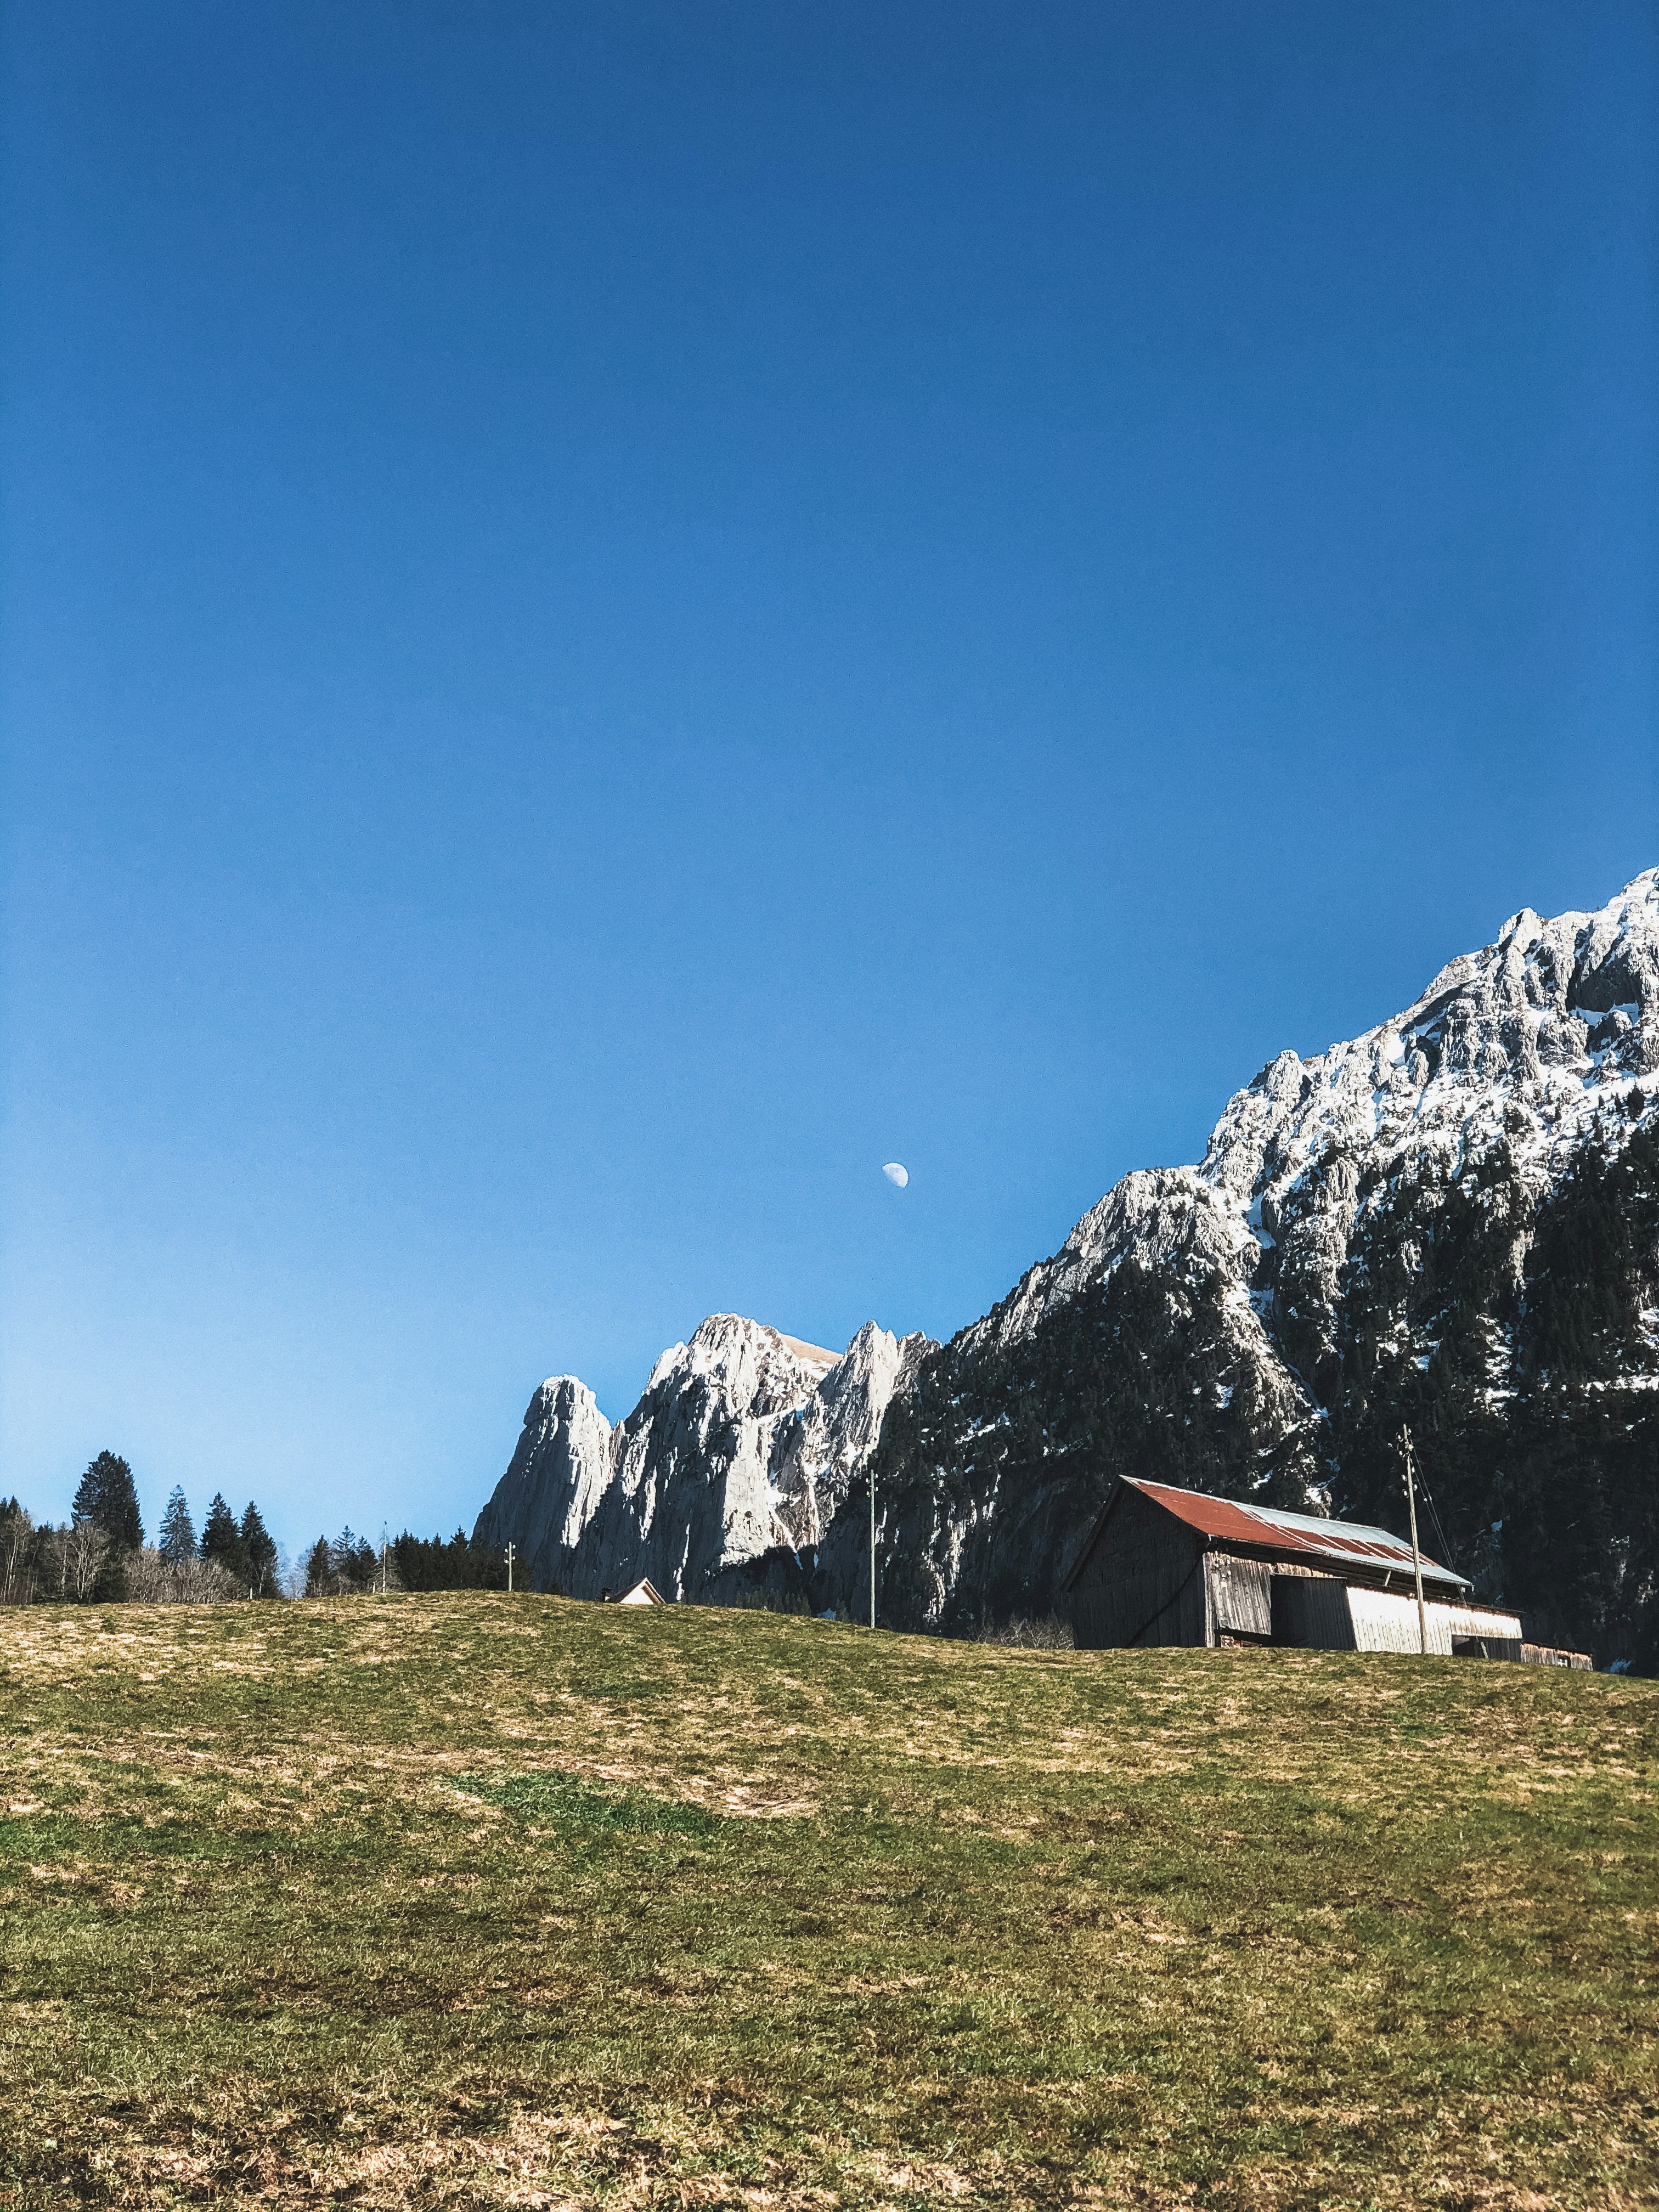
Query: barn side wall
[
  {"x": 1386, "y": 1621},
  {"x": 1241, "y": 1596},
  {"x": 1143, "y": 1584},
  {"x": 1310, "y": 1613}
]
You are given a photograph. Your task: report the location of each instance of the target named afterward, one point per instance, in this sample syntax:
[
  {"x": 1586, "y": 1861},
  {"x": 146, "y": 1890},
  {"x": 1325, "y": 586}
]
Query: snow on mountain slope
[{"x": 1524, "y": 1042}]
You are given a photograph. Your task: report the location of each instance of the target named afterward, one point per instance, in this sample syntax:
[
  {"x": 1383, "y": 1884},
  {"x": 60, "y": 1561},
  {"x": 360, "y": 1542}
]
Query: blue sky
[{"x": 615, "y": 614}]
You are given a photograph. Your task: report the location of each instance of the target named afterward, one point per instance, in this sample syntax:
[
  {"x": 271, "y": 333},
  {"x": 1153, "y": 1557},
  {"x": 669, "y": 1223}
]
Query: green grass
[
  {"x": 572, "y": 1809},
  {"x": 493, "y": 1900}
]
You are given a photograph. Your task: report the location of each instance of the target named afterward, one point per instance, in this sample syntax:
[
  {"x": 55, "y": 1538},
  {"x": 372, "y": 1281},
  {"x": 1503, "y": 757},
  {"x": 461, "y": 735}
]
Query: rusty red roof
[{"x": 1330, "y": 1544}]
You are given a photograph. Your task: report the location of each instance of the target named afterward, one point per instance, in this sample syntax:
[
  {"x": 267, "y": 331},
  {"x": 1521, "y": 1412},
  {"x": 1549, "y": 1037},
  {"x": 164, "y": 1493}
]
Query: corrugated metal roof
[{"x": 1332, "y": 1544}]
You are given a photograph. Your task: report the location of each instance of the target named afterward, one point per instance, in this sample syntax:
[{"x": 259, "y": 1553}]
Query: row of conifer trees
[
  {"x": 99, "y": 1553},
  {"x": 348, "y": 1565}
]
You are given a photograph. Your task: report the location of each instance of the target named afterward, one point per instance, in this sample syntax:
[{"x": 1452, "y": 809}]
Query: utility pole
[
  {"x": 510, "y": 1569},
  {"x": 383, "y": 1558},
  {"x": 872, "y": 1547},
  {"x": 1416, "y": 1556}
]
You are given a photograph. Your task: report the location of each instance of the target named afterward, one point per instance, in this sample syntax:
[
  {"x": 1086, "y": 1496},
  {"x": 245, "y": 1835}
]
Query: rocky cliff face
[
  {"x": 744, "y": 1442},
  {"x": 1452, "y": 1221}
]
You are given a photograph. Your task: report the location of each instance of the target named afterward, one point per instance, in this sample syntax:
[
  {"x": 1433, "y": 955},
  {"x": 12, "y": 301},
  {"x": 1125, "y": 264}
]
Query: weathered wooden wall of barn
[
  {"x": 1143, "y": 1583},
  {"x": 1241, "y": 1596}
]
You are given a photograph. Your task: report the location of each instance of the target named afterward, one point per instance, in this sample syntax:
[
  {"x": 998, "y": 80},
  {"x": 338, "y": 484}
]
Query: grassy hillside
[{"x": 502, "y": 1900}]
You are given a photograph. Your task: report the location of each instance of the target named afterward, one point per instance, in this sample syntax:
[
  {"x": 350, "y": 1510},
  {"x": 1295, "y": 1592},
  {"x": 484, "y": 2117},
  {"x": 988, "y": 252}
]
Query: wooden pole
[
  {"x": 509, "y": 1568},
  {"x": 872, "y": 1547},
  {"x": 1416, "y": 1556}
]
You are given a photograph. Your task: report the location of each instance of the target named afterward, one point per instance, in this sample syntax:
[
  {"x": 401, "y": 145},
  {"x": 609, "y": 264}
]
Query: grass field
[{"x": 491, "y": 1900}]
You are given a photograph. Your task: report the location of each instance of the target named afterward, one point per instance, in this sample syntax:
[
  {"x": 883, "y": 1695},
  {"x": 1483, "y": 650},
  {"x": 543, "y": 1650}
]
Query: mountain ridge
[{"x": 1362, "y": 1245}]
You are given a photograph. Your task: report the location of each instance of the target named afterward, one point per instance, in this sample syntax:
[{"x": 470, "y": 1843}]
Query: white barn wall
[{"x": 1386, "y": 1621}]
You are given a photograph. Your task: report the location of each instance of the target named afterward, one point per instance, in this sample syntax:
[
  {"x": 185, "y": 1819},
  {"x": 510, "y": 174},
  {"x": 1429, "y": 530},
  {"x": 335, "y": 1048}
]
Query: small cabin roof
[
  {"x": 642, "y": 1592},
  {"x": 1305, "y": 1537}
]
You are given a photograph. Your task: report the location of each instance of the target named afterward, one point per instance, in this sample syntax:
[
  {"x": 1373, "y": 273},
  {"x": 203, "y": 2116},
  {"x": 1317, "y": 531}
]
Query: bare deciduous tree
[
  {"x": 76, "y": 1552},
  {"x": 153, "y": 1579}
]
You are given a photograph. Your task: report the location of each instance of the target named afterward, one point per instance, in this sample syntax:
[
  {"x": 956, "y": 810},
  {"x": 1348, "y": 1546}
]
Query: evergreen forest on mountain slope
[{"x": 1517, "y": 1339}]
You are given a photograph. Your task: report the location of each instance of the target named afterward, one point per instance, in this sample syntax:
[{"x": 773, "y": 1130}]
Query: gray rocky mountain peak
[{"x": 744, "y": 1440}]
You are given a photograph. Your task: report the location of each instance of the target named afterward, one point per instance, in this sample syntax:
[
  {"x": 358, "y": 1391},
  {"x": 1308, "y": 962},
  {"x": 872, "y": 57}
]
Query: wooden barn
[{"x": 1177, "y": 1566}]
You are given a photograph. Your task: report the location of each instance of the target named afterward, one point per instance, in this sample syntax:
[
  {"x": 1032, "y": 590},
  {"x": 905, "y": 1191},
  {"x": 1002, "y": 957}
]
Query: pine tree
[
  {"x": 260, "y": 1550},
  {"x": 177, "y": 1542},
  {"x": 317, "y": 1569},
  {"x": 353, "y": 1561},
  {"x": 109, "y": 1498},
  {"x": 222, "y": 1541}
]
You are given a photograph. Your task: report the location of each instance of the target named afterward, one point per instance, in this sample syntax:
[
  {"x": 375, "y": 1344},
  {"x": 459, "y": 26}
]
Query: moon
[{"x": 896, "y": 1174}]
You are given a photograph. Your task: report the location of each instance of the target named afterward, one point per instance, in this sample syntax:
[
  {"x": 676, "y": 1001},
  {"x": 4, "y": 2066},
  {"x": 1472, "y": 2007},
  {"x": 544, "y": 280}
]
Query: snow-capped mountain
[
  {"x": 1451, "y": 1221},
  {"x": 1521, "y": 1044}
]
